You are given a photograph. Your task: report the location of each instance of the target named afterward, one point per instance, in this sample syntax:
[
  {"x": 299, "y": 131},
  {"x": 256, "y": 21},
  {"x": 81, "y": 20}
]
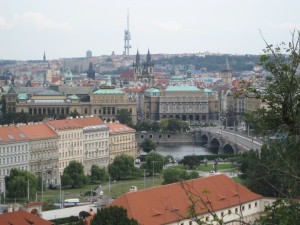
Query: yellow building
[{"x": 121, "y": 141}]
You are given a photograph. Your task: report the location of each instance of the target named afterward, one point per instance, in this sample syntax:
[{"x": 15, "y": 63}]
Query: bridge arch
[
  {"x": 214, "y": 145},
  {"x": 204, "y": 139},
  {"x": 228, "y": 149}
]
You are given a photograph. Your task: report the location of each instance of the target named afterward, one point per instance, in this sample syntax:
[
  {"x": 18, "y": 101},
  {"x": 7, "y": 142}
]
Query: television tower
[{"x": 127, "y": 37}]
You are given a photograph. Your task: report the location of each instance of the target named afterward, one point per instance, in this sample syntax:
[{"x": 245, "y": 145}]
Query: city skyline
[{"x": 65, "y": 29}]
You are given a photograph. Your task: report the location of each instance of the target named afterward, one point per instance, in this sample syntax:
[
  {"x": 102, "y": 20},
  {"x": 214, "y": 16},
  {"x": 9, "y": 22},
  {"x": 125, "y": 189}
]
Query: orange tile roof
[
  {"x": 22, "y": 218},
  {"x": 37, "y": 131},
  {"x": 168, "y": 203},
  {"x": 119, "y": 128},
  {"x": 11, "y": 134},
  {"x": 89, "y": 121},
  {"x": 127, "y": 74},
  {"x": 64, "y": 124},
  {"x": 75, "y": 123}
]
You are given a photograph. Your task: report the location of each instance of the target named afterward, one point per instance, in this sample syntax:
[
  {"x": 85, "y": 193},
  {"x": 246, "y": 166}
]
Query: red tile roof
[
  {"x": 11, "y": 134},
  {"x": 127, "y": 74},
  {"x": 119, "y": 128},
  {"x": 89, "y": 121},
  {"x": 22, "y": 218},
  {"x": 37, "y": 131},
  {"x": 64, "y": 124},
  {"x": 75, "y": 123},
  {"x": 164, "y": 204}
]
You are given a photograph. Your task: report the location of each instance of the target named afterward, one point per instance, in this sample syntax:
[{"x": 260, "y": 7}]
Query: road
[{"x": 238, "y": 138}]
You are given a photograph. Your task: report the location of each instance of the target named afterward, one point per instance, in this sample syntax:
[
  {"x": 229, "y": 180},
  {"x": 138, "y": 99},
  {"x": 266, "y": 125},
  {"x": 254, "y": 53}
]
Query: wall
[{"x": 67, "y": 212}]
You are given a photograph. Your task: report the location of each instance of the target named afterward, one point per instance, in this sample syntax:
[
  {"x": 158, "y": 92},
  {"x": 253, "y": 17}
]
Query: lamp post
[{"x": 153, "y": 172}]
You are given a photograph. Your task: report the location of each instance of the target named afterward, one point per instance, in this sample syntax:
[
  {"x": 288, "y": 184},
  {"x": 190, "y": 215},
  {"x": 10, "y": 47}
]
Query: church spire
[
  {"x": 137, "y": 58},
  {"x": 148, "y": 56},
  {"x": 227, "y": 66},
  {"x": 44, "y": 57}
]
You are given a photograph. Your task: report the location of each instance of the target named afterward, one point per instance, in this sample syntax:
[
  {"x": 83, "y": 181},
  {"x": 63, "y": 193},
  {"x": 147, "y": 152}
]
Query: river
[{"x": 179, "y": 150}]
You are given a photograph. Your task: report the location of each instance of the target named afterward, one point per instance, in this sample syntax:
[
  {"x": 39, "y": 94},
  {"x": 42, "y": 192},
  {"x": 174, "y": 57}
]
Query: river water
[{"x": 179, "y": 150}]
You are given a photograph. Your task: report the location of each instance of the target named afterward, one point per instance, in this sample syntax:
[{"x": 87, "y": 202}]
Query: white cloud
[
  {"x": 38, "y": 19},
  {"x": 285, "y": 26},
  {"x": 170, "y": 25},
  {"x": 4, "y": 24}
]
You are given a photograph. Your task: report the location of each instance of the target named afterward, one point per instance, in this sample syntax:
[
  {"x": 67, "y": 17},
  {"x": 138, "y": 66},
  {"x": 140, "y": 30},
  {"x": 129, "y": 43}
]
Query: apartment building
[
  {"x": 121, "y": 140},
  {"x": 95, "y": 142},
  {"x": 43, "y": 150},
  {"x": 14, "y": 151}
]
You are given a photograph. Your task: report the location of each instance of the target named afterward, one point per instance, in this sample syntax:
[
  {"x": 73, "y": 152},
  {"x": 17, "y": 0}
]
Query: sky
[{"x": 68, "y": 28}]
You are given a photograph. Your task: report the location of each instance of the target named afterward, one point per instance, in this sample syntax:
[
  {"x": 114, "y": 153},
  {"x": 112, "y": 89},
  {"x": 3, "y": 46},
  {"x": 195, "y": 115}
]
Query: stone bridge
[{"x": 225, "y": 142}]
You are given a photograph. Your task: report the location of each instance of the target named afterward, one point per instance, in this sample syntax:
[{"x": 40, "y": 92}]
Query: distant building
[
  {"x": 91, "y": 72},
  {"x": 187, "y": 103},
  {"x": 144, "y": 72},
  {"x": 89, "y": 54},
  {"x": 226, "y": 74}
]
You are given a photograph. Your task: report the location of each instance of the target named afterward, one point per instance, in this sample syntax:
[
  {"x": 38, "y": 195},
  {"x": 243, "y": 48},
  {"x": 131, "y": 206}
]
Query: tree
[
  {"x": 274, "y": 171},
  {"x": 171, "y": 124},
  {"x": 97, "y": 173},
  {"x": 74, "y": 175},
  {"x": 122, "y": 166},
  {"x": 113, "y": 215},
  {"x": 173, "y": 175},
  {"x": 154, "y": 162},
  {"x": 147, "y": 145},
  {"x": 282, "y": 94},
  {"x": 17, "y": 181},
  {"x": 283, "y": 212},
  {"x": 124, "y": 116},
  {"x": 190, "y": 160}
]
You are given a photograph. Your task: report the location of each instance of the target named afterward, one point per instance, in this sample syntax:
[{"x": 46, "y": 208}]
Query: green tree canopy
[
  {"x": 173, "y": 175},
  {"x": 122, "y": 166},
  {"x": 283, "y": 212},
  {"x": 154, "y": 162},
  {"x": 274, "y": 171},
  {"x": 17, "y": 181},
  {"x": 74, "y": 175},
  {"x": 147, "y": 145},
  {"x": 113, "y": 215},
  {"x": 282, "y": 93},
  {"x": 98, "y": 173},
  {"x": 124, "y": 116}
]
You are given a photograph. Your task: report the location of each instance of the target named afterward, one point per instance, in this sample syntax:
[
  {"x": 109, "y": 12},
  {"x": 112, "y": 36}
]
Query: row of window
[
  {"x": 95, "y": 136},
  {"x": 123, "y": 146},
  {"x": 102, "y": 144},
  {"x": 15, "y": 159},
  {"x": 71, "y": 144},
  {"x": 69, "y": 135},
  {"x": 13, "y": 149},
  {"x": 183, "y": 99},
  {"x": 124, "y": 138}
]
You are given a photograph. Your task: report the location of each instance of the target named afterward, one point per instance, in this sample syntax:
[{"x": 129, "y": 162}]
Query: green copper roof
[
  {"x": 183, "y": 88},
  {"x": 109, "y": 91},
  {"x": 73, "y": 97},
  {"x": 152, "y": 90},
  {"x": 22, "y": 96},
  {"x": 177, "y": 78}
]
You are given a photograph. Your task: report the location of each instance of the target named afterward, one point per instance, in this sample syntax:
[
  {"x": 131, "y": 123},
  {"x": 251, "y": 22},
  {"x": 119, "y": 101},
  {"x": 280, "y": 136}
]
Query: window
[
  {"x": 222, "y": 214},
  {"x": 243, "y": 208},
  {"x": 229, "y": 212},
  {"x": 236, "y": 210},
  {"x": 249, "y": 206},
  {"x": 255, "y": 204}
]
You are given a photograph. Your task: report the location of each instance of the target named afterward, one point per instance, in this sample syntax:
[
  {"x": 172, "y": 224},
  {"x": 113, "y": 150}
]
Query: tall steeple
[
  {"x": 148, "y": 56},
  {"x": 44, "y": 57},
  {"x": 127, "y": 37},
  {"x": 227, "y": 66},
  {"x": 137, "y": 58}
]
